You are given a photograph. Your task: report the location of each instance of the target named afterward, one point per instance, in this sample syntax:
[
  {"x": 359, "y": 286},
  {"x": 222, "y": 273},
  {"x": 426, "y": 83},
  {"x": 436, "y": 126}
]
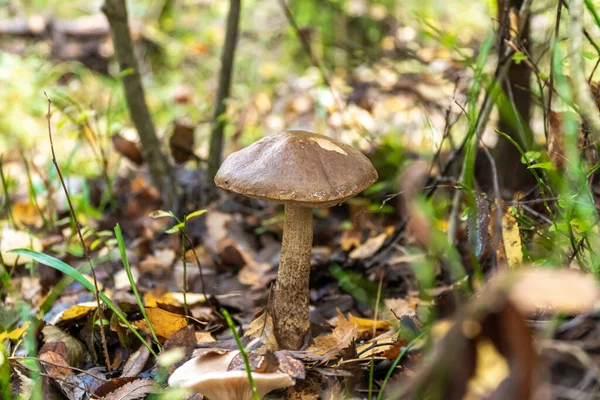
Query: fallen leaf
[
  {"x": 136, "y": 389},
  {"x": 342, "y": 336},
  {"x": 74, "y": 351},
  {"x": 367, "y": 325},
  {"x": 181, "y": 142},
  {"x": 26, "y": 215},
  {"x": 77, "y": 311},
  {"x": 511, "y": 237},
  {"x": 127, "y": 149},
  {"x": 11, "y": 239},
  {"x": 136, "y": 362},
  {"x": 368, "y": 248},
  {"x": 185, "y": 339},
  {"x": 163, "y": 322},
  {"x": 15, "y": 334},
  {"x": 262, "y": 327}
]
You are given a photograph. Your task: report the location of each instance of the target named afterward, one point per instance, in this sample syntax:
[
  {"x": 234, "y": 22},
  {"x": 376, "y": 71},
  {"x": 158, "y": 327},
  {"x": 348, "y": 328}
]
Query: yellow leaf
[
  {"x": 367, "y": 325},
  {"x": 164, "y": 323},
  {"x": 15, "y": 333},
  {"x": 151, "y": 300},
  {"x": 512, "y": 240},
  {"x": 77, "y": 311}
]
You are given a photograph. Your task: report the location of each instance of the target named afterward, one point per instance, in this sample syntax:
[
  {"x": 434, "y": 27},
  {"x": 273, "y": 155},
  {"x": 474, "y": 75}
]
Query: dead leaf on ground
[
  {"x": 368, "y": 248},
  {"x": 163, "y": 322},
  {"x": 342, "y": 336},
  {"x": 127, "y": 149},
  {"x": 184, "y": 339},
  {"x": 26, "y": 215},
  {"x": 11, "y": 239},
  {"x": 136, "y": 362},
  {"x": 262, "y": 327},
  {"x": 137, "y": 389},
  {"x": 181, "y": 142}
]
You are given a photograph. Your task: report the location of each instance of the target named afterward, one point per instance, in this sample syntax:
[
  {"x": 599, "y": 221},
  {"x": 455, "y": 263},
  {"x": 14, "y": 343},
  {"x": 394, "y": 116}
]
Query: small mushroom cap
[
  {"x": 297, "y": 168},
  {"x": 208, "y": 375}
]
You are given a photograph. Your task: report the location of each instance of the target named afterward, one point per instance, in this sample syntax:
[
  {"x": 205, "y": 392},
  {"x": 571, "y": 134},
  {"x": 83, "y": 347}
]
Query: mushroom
[
  {"x": 302, "y": 170},
  {"x": 209, "y": 376}
]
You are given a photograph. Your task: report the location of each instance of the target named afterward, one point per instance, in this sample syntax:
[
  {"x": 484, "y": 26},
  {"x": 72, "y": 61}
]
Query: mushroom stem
[{"x": 290, "y": 295}]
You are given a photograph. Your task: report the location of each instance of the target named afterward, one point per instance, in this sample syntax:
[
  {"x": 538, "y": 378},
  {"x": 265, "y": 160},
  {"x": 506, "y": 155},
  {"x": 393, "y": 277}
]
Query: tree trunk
[{"x": 160, "y": 169}]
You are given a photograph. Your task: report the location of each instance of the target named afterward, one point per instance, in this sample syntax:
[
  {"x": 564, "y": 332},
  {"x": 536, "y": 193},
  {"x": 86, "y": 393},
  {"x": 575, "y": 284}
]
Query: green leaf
[
  {"x": 519, "y": 57},
  {"x": 73, "y": 273},
  {"x": 589, "y": 55},
  {"x": 543, "y": 165},
  {"x": 176, "y": 228},
  {"x": 194, "y": 214},
  {"x": 161, "y": 214},
  {"x": 126, "y": 72}
]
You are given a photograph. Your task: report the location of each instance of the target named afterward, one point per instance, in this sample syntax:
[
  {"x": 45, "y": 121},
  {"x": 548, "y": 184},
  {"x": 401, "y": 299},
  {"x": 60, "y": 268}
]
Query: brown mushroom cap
[{"x": 297, "y": 168}]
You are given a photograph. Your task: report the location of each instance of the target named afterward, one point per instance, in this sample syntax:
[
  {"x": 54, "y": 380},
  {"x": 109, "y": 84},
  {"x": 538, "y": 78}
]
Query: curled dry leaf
[
  {"x": 185, "y": 339},
  {"x": 262, "y": 327},
  {"x": 181, "y": 142},
  {"x": 342, "y": 336},
  {"x": 127, "y": 149}
]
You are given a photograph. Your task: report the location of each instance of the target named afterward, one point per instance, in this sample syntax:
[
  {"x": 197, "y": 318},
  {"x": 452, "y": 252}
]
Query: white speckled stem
[{"x": 290, "y": 296}]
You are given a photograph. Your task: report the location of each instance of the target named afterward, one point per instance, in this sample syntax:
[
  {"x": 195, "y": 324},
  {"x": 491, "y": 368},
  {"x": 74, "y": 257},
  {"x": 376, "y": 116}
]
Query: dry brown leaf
[
  {"x": 181, "y": 142},
  {"x": 137, "y": 389},
  {"x": 350, "y": 238},
  {"x": 74, "y": 351},
  {"x": 163, "y": 322},
  {"x": 545, "y": 290},
  {"x": 184, "y": 339},
  {"x": 342, "y": 336},
  {"x": 368, "y": 248},
  {"x": 127, "y": 149},
  {"x": 262, "y": 327},
  {"x": 136, "y": 362}
]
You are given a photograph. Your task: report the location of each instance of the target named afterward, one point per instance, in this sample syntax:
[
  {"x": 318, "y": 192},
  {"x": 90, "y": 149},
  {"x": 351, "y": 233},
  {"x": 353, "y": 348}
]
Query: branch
[
  {"x": 581, "y": 89},
  {"x": 227, "y": 59},
  {"x": 116, "y": 13}
]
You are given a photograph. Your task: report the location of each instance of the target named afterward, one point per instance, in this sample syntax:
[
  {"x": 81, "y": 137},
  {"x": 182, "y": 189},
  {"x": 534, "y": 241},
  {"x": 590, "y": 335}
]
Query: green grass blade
[
  {"x": 243, "y": 351},
  {"x": 121, "y": 244},
  {"x": 73, "y": 273}
]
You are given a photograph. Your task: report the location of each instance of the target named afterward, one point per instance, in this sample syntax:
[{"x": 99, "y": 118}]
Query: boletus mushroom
[{"x": 302, "y": 170}]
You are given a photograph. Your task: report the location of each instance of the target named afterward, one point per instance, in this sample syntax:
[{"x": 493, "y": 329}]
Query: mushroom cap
[
  {"x": 208, "y": 375},
  {"x": 297, "y": 168}
]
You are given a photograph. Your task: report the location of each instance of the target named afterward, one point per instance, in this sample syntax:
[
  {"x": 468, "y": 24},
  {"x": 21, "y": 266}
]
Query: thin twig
[{"x": 78, "y": 229}]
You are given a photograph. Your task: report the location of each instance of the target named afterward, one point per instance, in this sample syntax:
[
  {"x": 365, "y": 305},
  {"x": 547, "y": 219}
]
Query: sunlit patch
[{"x": 327, "y": 145}]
